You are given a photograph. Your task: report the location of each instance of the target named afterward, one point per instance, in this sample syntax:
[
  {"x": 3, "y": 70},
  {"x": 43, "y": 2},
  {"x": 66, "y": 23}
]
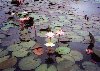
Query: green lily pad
[
  {"x": 10, "y": 62},
  {"x": 75, "y": 68},
  {"x": 9, "y": 69},
  {"x": 41, "y": 34},
  {"x": 4, "y": 58},
  {"x": 20, "y": 53},
  {"x": 35, "y": 16},
  {"x": 59, "y": 59},
  {"x": 28, "y": 44},
  {"x": 64, "y": 65},
  {"x": 89, "y": 66},
  {"x": 42, "y": 67},
  {"x": 67, "y": 57},
  {"x": 52, "y": 68},
  {"x": 63, "y": 50},
  {"x": 3, "y": 52},
  {"x": 76, "y": 55},
  {"x": 28, "y": 63},
  {"x": 14, "y": 47}
]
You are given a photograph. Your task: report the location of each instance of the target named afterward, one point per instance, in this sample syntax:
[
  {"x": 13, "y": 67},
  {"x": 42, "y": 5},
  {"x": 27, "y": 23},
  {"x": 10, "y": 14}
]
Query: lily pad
[
  {"x": 63, "y": 44},
  {"x": 25, "y": 31},
  {"x": 28, "y": 63},
  {"x": 14, "y": 47},
  {"x": 52, "y": 68},
  {"x": 83, "y": 33},
  {"x": 3, "y": 52},
  {"x": 89, "y": 66},
  {"x": 77, "y": 27},
  {"x": 38, "y": 51},
  {"x": 20, "y": 53},
  {"x": 56, "y": 23},
  {"x": 64, "y": 65},
  {"x": 8, "y": 63},
  {"x": 59, "y": 59},
  {"x": 63, "y": 50},
  {"x": 67, "y": 57},
  {"x": 88, "y": 63},
  {"x": 75, "y": 68},
  {"x": 25, "y": 37},
  {"x": 41, "y": 34},
  {"x": 7, "y": 26},
  {"x": 76, "y": 55},
  {"x": 4, "y": 58},
  {"x": 35, "y": 16},
  {"x": 42, "y": 67},
  {"x": 9, "y": 69},
  {"x": 28, "y": 44},
  {"x": 36, "y": 46}
]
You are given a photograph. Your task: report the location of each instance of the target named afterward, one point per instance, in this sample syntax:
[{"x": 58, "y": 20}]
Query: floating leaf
[
  {"x": 42, "y": 33},
  {"x": 38, "y": 51},
  {"x": 3, "y": 52},
  {"x": 42, "y": 67},
  {"x": 4, "y": 58},
  {"x": 64, "y": 65},
  {"x": 77, "y": 27},
  {"x": 20, "y": 53},
  {"x": 8, "y": 63},
  {"x": 88, "y": 63},
  {"x": 52, "y": 68},
  {"x": 28, "y": 63},
  {"x": 35, "y": 16},
  {"x": 89, "y": 66},
  {"x": 75, "y": 68},
  {"x": 9, "y": 69},
  {"x": 82, "y": 33},
  {"x": 76, "y": 55},
  {"x": 67, "y": 57},
  {"x": 59, "y": 59},
  {"x": 63, "y": 50},
  {"x": 14, "y": 47},
  {"x": 28, "y": 44}
]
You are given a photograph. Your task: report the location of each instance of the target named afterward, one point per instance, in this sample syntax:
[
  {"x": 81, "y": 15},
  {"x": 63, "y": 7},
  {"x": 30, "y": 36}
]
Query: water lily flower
[
  {"x": 59, "y": 32},
  {"x": 50, "y": 35},
  {"x": 49, "y": 44}
]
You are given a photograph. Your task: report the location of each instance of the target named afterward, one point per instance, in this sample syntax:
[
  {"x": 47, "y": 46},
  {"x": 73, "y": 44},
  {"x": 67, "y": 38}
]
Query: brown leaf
[{"x": 8, "y": 63}]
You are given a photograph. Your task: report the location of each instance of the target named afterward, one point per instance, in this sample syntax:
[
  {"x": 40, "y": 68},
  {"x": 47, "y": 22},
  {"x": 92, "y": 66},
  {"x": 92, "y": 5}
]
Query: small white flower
[
  {"x": 50, "y": 34},
  {"x": 25, "y": 12},
  {"x": 49, "y": 44},
  {"x": 12, "y": 14}
]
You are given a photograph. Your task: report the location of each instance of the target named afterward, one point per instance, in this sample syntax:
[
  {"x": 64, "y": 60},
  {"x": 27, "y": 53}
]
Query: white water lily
[
  {"x": 24, "y": 12},
  {"x": 49, "y": 44},
  {"x": 50, "y": 34}
]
